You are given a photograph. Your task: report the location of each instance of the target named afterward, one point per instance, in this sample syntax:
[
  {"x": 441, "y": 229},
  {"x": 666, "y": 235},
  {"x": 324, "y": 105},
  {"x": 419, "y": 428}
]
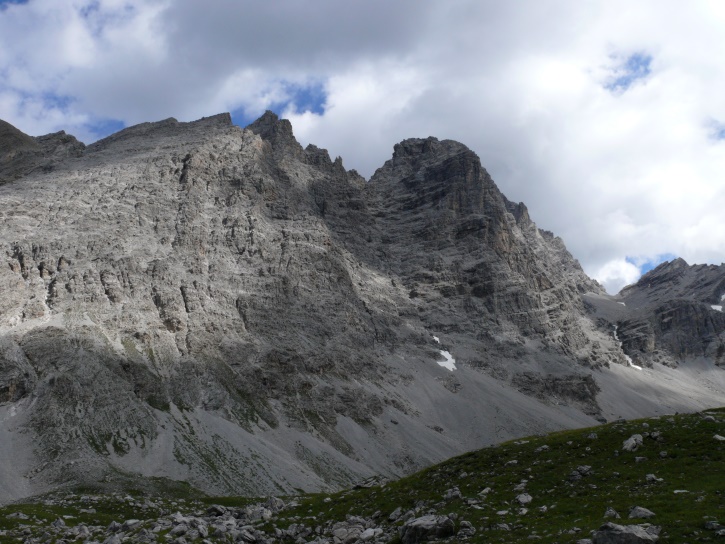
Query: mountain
[
  {"x": 673, "y": 314},
  {"x": 204, "y": 303}
]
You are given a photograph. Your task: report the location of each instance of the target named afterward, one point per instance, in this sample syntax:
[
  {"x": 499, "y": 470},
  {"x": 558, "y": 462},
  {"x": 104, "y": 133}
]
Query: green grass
[{"x": 694, "y": 461}]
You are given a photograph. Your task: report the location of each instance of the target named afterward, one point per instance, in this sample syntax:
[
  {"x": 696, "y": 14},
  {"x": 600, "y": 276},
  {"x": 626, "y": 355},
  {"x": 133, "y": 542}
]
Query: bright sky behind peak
[{"x": 604, "y": 117}]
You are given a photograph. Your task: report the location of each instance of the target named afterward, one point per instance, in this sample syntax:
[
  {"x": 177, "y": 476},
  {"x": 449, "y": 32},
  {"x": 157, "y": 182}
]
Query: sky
[{"x": 606, "y": 118}]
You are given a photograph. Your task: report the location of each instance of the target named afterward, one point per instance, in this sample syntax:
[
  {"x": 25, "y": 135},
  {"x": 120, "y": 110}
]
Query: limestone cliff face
[
  {"x": 201, "y": 302},
  {"x": 675, "y": 314}
]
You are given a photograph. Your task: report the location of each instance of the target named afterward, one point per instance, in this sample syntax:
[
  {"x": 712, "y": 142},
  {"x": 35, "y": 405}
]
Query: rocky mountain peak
[
  {"x": 13, "y": 141},
  {"x": 21, "y": 154},
  {"x": 665, "y": 270},
  {"x": 277, "y": 132}
]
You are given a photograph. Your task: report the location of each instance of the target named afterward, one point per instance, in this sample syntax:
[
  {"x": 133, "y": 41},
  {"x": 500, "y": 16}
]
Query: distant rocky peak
[
  {"x": 666, "y": 271},
  {"x": 415, "y": 146},
  {"x": 421, "y": 149},
  {"x": 276, "y": 131},
  {"x": 169, "y": 131},
  {"x": 13, "y": 140}
]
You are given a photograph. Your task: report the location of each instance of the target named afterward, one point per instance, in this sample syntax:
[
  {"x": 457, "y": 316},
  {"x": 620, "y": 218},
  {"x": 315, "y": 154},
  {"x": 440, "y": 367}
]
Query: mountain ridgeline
[{"x": 204, "y": 303}]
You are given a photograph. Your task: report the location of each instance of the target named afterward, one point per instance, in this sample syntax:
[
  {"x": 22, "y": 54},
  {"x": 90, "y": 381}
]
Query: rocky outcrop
[
  {"x": 673, "y": 314},
  {"x": 201, "y": 302},
  {"x": 21, "y": 154}
]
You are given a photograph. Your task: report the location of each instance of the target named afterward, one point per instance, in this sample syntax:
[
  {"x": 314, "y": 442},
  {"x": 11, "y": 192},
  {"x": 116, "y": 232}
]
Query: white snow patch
[
  {"x": 438, "y": 340},
  {"x": 622, "y": 303},
  {"x": 716, "y": 307},
  {"x": 449, "y": 362}
]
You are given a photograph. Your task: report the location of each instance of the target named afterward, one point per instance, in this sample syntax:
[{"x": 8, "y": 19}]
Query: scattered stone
[
  {"x": 453, "y": 493},
  {"x": 217, "y": 510},
  {"x": 632, "y": 443},
  {"x": 524, "y": 499},
  {"x": 611, "y": 533},
  {"x": 130, "y": 524},
  {"x": 426, "y": 528},
  {"x": 719, "y": 438},
  {"x": 370, "y": 533},
  {"x": 611, "y": 513},
  {"x": 466, "y": 530},
  {"x": 638, "y": 512}
]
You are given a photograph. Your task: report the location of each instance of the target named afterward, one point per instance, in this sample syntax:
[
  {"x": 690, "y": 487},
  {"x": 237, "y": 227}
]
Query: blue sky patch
[
  {"x": 4, "y": 3},
  {"x": 308, "y": 98},
  {"x": 634, "y": 68},
  {"x": 56, "y": 101},
  {"x": 647, "y": 264},
  {"x": 717, "y": 130},
  {"x": 105, "y": 127}
]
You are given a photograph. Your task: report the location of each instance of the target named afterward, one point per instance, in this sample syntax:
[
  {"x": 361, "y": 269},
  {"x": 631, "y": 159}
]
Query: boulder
[
  {"x": 639, "y": 512},
  {"x": 632, "y": 443},
  {"x": 426, "y": 528},
  {"x": 611, "y": 533}
]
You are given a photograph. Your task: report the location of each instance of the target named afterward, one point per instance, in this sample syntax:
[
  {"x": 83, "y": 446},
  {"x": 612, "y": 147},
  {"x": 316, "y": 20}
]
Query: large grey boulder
[
  {"x": 639, "y": 512},
  {"x": 426, "y": 528},
  {"x": 632, "y": 443},
  {"x": 611, "y": 533}
]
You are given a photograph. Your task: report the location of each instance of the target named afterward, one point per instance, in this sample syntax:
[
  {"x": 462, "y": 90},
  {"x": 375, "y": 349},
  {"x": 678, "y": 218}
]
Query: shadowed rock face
[
  {"x": 21, "y": 154},
  {"x": 673, "y": 314},
  {"x": 200, "y": 302}
]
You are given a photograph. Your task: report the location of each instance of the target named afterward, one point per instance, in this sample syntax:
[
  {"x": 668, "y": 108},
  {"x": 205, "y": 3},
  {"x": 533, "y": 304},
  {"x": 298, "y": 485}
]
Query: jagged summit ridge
[{"x": 180, "y": 292}]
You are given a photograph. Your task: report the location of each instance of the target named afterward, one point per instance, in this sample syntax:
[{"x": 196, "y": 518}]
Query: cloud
[
  {"x": 617, "y": 273},
  {"x": 605, "y": 118}
]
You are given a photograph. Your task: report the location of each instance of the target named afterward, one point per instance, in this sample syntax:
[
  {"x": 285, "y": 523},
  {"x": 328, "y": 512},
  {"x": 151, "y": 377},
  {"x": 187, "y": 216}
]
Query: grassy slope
[{"x": 694, "y": 461}]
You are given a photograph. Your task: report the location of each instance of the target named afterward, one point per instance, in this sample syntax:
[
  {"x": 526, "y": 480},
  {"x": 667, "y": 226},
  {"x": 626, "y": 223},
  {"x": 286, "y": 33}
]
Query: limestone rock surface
[{"x": 204, "y": 303}]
